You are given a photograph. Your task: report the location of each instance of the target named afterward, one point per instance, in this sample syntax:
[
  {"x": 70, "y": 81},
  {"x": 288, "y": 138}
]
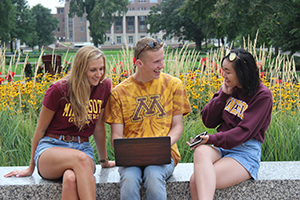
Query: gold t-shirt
[{"x": 146, "y": 109}]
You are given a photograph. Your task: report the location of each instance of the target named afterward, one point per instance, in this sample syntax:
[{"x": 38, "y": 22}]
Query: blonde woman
[{"x": 71, "y": 112}]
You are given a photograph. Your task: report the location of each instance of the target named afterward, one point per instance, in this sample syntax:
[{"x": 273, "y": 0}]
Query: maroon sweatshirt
[{"x": 239, "y": 118}]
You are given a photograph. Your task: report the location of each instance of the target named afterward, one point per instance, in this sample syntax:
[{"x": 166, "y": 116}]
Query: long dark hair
[{"x": 246, "y": 70}]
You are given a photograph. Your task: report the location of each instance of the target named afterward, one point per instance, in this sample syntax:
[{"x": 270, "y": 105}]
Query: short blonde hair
[{"x": 143, "y": 45}]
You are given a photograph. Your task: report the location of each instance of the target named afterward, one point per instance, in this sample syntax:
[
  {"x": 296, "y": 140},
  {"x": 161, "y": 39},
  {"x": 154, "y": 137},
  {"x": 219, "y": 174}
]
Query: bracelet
[{"x": 103, "y": 161}]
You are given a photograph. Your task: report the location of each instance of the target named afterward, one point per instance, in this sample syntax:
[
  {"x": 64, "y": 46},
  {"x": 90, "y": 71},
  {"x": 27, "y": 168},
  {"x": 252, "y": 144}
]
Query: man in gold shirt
[{"x": 148, "y": 104}]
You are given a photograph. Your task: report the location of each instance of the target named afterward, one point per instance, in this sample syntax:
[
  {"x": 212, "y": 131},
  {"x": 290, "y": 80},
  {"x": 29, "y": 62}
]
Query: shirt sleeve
[
  {"x": 212, "y": 112},
  {"x": 52, "y": 97}
]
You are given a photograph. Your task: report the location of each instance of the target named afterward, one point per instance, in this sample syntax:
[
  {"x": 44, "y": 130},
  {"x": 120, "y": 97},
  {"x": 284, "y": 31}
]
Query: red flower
[
  {"x": 133, "y": 59},
  {"x": 9, "y": 76},
  {"x": 278, "y": 81},
  {"x": 203, "y": 60}
]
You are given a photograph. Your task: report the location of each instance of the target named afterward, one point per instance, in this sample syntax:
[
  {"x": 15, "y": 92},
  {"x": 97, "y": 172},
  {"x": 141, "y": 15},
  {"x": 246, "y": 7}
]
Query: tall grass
[{"x": 20, "y": 101}]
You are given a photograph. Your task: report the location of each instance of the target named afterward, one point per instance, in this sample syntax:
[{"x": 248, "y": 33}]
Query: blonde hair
[
  {"x": 79, "y": 87},
  {"x": 143, "y": 46}
]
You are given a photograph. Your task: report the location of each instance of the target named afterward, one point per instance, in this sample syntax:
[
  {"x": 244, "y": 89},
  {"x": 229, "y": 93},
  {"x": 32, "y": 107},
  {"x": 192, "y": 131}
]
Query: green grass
[{"x": 281, "y": 141}]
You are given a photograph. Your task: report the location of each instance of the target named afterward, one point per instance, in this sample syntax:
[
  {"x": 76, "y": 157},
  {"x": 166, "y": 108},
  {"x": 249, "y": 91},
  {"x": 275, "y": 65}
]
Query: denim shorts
[
  {"x": 48, "y": 142},
  {"x": 247, "y": 154}
]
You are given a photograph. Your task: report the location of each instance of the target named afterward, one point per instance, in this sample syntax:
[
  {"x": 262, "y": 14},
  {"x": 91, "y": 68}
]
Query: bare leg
[
  {"x": 230, "y": 172},
  {"x": 69, "y": 186},
  {"x": 55, "y": 161},
  {"x": 204, "y": 172},
  {"x": 212, "y": 172}
]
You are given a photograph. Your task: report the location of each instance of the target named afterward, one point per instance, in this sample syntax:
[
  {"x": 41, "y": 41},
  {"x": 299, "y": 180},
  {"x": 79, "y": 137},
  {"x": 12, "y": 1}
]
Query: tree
[
  {"x": 7, "y": 11},
  {"x": 159, "y": 18},
  {"x": 237, "y": 19},
  {"x": 288, "y": 22},
  {"x": 190, "y": 19},
  {"x": 44, "y": 26},
  {"x": 100, "y": 14},
  {"x": 23, "y": 23}
]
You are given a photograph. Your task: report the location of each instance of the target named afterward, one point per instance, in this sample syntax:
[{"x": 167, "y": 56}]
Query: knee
[
  {"x": 152, "y": 174},
  {"x": 69, "y": 179},
  {"x": 200, "y": 153},
  {"x": 82, "y": 160},
  {"x": 153, "y": 178},
  {"x": 130, "y": 178}
]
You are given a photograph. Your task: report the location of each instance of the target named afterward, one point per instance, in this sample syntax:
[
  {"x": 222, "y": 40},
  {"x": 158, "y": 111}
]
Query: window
[
  {"x": 81, "y": 19},
  {"x": 64, "y": 30},
  {"x": 132, "y": 8},
  {"x": 118, "y": 24},
  {"x": 119, "y": 39},
  {"x": 153, "y": 1},
  {"x": 58, "y": 29},
  {"x": 132, "y": 1},
  {"x": 142, "y": 1},
  {"x": 81, "y": 28},
  {"x": 142, "y": 20},
  {"x": 70, "y": 25},
  {"x": 60, "y": 10},
  {"x": 130, "y": 23},
  {"x": 142, "y": 8},
  {"x": 82, "y": 39},
  {"x": 130, "y": 39}
]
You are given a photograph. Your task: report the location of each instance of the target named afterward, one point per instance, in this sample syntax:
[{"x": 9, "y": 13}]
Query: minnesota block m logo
[{"x": 149, "y": 110}]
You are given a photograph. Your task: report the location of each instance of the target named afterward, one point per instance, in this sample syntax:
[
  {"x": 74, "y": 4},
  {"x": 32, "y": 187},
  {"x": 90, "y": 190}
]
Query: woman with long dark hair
[{"x": 241, "y": 111}]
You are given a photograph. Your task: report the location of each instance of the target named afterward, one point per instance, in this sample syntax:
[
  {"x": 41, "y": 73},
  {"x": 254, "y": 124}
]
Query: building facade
[
  {"x": 126, "y": 29},
  {"x": 71, "y": 30}
]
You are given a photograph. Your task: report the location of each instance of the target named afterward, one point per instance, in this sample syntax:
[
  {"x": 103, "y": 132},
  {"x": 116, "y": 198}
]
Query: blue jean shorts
[
  {"x": 247, "y": 154},
  {"x": 48, "y": 142}
]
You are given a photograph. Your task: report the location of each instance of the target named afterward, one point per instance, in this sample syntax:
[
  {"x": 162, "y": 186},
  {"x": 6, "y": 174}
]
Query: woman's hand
[
  {"x": 108, "y": 164},
  {"x": 226, "y": 89},
  {"x": 205, "y": 138},
  {"x": 20, "y": 173}
]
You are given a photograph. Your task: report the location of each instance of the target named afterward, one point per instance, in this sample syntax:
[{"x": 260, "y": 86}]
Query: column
[
  {"x": 124, "y": 40},
  {"x": 136, "y": 29},
  {"x": 112, "y": 32}
]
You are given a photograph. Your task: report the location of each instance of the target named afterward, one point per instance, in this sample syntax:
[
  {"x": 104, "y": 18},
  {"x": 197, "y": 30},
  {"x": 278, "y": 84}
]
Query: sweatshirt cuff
[
  {"x": 223, "y": 96},
  {"x": 211, "y": 140}
]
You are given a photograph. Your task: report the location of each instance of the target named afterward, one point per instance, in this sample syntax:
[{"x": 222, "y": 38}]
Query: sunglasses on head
[
  {"x": 232, "y": 56},
  {"x": 152, "y": 45}
]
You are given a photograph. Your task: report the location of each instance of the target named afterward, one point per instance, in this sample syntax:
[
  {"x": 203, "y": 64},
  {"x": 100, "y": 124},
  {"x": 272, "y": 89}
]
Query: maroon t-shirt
[{"x": 57, "y": 99}]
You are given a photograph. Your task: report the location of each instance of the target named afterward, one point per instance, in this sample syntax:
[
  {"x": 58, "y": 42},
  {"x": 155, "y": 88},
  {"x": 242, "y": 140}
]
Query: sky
[{"x": 51, "y": 4}]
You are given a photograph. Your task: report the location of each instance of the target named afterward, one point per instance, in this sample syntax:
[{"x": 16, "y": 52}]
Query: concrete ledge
[{"x": 276, "y": 180}]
